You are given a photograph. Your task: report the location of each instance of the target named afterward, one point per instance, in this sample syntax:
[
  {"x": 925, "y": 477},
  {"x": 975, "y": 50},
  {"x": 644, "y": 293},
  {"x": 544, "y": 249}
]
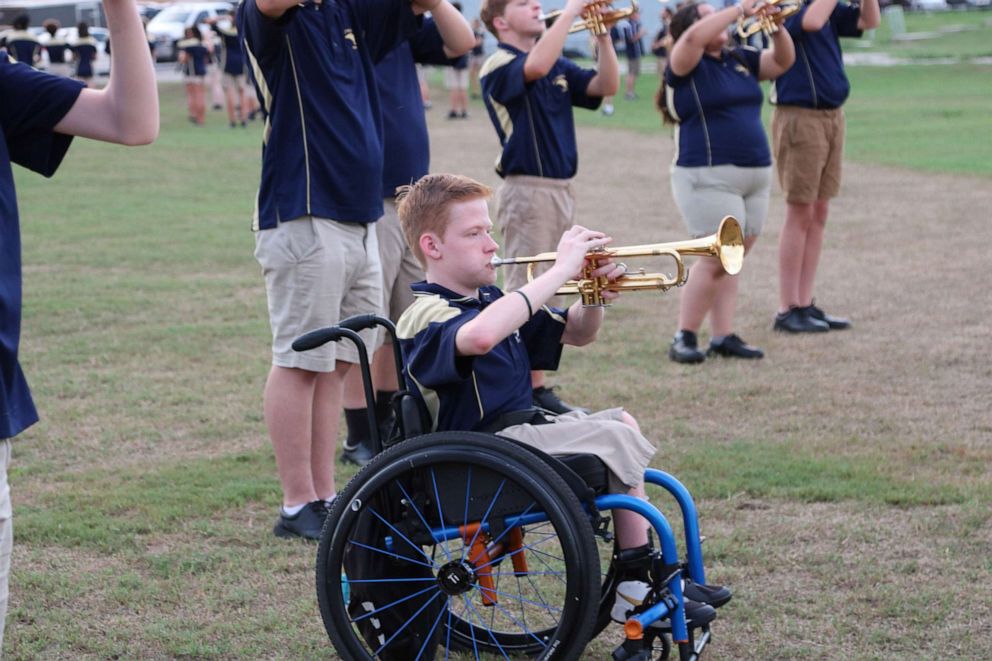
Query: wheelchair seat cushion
[{"x": 585, "y": 474}]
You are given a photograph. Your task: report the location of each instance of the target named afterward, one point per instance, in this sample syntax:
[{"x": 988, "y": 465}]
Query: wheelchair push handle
[{"x": 349, "y": 328}]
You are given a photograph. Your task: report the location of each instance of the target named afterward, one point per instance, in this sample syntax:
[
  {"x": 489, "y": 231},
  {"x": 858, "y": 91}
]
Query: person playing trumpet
[
  {"x": 469, "y": 347},
  {"x": 808, "y": 137},
  {"x": 722, "y": 160},
  {"x": 529, "y": 90}
]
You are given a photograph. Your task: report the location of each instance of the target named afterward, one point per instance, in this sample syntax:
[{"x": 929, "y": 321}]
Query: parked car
[
  {"x": 169, "y": 25},
  {"x": 930, "y": 5}
]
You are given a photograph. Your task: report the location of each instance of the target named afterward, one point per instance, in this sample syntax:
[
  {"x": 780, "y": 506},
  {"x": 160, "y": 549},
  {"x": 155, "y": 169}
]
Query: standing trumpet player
[
  {"x": 529, "y": 90},
  {"x": 722, "y": 163},
  {"x": 808, "y": 138}
]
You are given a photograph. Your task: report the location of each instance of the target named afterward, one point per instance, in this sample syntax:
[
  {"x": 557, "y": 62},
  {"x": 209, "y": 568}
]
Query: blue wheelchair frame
[{"x": 670, "y": 605}]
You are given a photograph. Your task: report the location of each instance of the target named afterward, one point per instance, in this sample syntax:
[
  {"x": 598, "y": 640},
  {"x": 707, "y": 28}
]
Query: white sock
[
  {"x": 292, "y": 510},
  {"x": 330, "y": 499}
]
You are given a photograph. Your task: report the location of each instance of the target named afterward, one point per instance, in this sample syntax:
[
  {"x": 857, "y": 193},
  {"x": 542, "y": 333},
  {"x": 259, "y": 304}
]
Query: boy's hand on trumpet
[{"x": 573, "y": 247}]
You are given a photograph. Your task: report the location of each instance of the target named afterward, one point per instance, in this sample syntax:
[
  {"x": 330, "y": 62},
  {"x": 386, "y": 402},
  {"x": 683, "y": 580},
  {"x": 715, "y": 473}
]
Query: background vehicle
[
  {"x": 169, "y": 25},
  {"x": 66, "y": 13}
]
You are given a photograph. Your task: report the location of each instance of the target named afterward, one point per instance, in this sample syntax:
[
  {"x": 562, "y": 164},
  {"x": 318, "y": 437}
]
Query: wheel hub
[{"x": 456, "y": 577}]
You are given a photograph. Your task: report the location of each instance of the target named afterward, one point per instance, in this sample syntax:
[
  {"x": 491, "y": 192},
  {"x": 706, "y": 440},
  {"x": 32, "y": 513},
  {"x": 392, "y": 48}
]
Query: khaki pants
[{"x": 532, "y": 213}]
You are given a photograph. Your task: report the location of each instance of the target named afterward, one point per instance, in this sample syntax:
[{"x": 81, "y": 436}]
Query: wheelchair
[{"x": 485, "y": 547}]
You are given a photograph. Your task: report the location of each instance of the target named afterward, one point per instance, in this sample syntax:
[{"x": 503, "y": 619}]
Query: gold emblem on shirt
[
  {"x": 741, "y": 69},
  {"x": 350, "y": 37},
  {"x": 561, "y": 82}
]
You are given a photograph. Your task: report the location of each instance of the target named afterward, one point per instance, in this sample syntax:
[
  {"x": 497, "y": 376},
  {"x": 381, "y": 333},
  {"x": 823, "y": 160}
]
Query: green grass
[{"x": 144, "y": 499}]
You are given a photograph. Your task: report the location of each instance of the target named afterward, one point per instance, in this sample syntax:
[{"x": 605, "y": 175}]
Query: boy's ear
[
  {"x": 499, "y": 23},
  {"x": 430, "y": 245}
]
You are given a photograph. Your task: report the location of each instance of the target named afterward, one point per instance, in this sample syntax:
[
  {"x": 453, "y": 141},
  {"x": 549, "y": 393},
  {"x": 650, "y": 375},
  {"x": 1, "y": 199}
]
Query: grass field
[{"x": 844, "y": 485}]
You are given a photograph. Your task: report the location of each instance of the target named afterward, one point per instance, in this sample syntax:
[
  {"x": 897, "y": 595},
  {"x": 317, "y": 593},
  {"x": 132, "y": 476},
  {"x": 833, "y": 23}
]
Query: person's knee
[{"x": 630, "y": 421}]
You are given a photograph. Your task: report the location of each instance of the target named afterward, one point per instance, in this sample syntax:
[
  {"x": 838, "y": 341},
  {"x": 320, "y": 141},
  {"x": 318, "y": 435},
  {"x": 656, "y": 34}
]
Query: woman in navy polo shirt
[
  {"x": 84, "y": 52},
  {"x": 722, "y": 160},
  {"x": 193, "y": 60}
]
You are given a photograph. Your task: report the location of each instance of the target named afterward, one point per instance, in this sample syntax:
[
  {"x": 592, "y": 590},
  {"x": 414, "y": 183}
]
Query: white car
[
  {"x": 169, "y": 25},
  {"x": 929, "y": 5}
]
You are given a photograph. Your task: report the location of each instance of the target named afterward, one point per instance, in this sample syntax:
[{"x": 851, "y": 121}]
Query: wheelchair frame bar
[
  {"x": 690, "y": 519},
  {"x": 669, "y": 554}
]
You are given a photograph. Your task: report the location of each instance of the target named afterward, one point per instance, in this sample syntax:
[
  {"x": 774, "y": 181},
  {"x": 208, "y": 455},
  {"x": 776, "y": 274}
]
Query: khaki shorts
[
  {"x": 808, "y": 146},
  {"x": 532, "y": 213},
  {"x": 317, "y": 272},
  {"x": 399, "y": 267},
  {"x": 705, "y": 195},
  {"x": 455, "y": 79},
  {"x": 634, "y": 66},
  {"x": 624, "y": 451}
]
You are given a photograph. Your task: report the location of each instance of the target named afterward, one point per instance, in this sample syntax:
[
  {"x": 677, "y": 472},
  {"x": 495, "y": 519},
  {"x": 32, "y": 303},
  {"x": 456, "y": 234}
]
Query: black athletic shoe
[
  {"x": 545, "y": 398},
  {"x": 734, "y": 347},
  {"x": 358, "y": 454},
  {"x": 796, "y": 320},
  {"x": 307, "y": 523},
  {"x": 714, "y": 595},
  {"x": 685, "y": 348},
  {"x": 835, "y": 323}
]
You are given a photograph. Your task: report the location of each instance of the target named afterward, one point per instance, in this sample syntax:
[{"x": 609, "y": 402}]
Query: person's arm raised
[
  {"x": 779, "y": 58},
  {"x": 126, "y": 110},
  {"x": 688, "y": 50},
  {"x": 817, "y": 14},
  {"x": 548, "y": 48},
  {"x": 606, "y": 82},
  {"x": 455, "y": 31},
  {"x": 478, "y": 336}
]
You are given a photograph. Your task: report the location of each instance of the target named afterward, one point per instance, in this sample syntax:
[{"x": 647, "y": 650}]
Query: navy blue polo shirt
[
  {"x": 718, "y": 107},
  {"x": 469, "y": 392},
  {"x": 231, "y": 60},
  {"x": 313, "y": 72},
  {"x": 196, "y": 57},
  {"x": 85, "y": 52},
  {"x": 405, "y": 139},
  {"x": 817, "y": 79},
  {"x": 23, "y": 46},
  {"x": 31, "y": 103},
  {"x": 534, "y": 120}
]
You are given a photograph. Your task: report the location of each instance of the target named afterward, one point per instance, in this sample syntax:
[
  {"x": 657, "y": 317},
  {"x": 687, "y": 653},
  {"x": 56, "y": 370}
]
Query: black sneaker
[
  {"x": 835, "y": 323},
  {"x": 796, "y": 320},
  {"x": 714, "y": 595},
  {"x": 685, "y": 348},
  {"x": 307, "y": 523},
  {"x": 545, "y": 398},
  {"x": 733, "y": 346},
  {"x": 358, "y": 454},
  {"x": 452, "y": 114}
]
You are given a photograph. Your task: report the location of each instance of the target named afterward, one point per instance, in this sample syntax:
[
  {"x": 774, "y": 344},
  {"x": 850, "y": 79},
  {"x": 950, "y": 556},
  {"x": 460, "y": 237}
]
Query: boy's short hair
[
  {"x": 491, "y": 9},
  {"x": 423, "y": 206}
]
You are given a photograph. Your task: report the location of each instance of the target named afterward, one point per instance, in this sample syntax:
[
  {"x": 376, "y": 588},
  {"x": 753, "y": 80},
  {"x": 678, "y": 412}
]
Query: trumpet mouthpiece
[{"x": 497, "y": 261}]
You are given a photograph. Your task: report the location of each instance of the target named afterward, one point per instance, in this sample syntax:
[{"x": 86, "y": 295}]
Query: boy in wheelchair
[{"x": 469, "y": 349}]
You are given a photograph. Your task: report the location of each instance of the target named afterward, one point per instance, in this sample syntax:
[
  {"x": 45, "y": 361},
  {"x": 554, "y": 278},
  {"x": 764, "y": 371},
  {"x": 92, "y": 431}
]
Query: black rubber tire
[{"x": 567, "y": 550}]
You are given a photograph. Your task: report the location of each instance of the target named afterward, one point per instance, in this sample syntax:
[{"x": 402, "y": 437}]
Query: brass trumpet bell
[
  {"x": 595, "y": 20},
  {"x": 766, "y": 19},
  {"x": 727, "y": 245}
]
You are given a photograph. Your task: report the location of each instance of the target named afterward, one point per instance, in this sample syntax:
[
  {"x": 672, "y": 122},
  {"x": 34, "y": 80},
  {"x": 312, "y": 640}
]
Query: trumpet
[
  {"x": 727, "y": 245},
  {"x": 593, "y": 19},
  {"x": 766, "y": 19}
]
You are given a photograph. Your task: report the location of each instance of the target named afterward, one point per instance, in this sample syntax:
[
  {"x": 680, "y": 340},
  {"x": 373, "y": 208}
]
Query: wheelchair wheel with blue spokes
[{"x": 457, "y": 541}]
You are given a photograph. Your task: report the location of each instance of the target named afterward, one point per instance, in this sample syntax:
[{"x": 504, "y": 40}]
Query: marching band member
[
  {"x": 808, "y": 136},
  {"x": 722, "y": 161}
]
